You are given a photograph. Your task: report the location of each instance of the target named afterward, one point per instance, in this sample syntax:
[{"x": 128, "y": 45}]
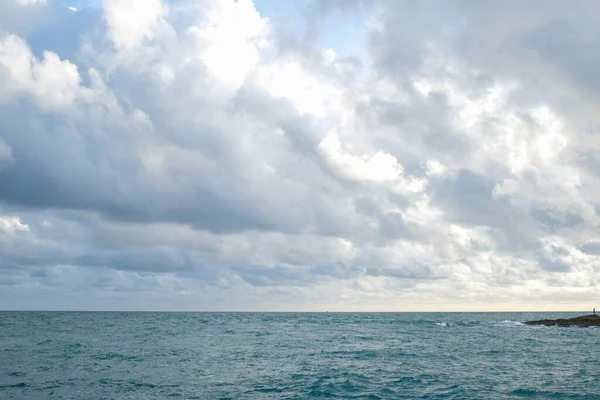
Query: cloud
[
  {"x": 5, "y": 154},
  {"x": 11, "y": 225},
  {"x": 591, "y": 248},
  {"x": 31, "y": 2},
  {"x": 23, "y": 16},
  {"x": 132, "y": 21},
  {"x": 204, "y": 156},
  {"x": 52, "y": 82}
]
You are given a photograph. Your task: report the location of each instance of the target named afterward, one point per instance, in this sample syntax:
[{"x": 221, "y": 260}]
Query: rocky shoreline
[{"x": 583, "y": 321}]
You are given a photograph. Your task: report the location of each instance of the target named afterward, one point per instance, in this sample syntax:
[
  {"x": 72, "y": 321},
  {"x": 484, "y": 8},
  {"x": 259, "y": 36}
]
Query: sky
[{"x": 316, "y": 155}]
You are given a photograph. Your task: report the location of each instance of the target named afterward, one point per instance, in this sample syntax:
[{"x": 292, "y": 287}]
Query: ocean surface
[{"x": 52, "y": 355}]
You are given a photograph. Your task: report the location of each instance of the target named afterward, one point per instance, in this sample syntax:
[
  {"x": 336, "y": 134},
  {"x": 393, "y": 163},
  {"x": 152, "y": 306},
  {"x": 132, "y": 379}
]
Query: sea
[{"x": 147, "y": 355}]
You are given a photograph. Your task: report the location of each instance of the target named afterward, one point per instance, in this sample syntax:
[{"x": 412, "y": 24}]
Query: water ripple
[{"x": 293, "y": 356}]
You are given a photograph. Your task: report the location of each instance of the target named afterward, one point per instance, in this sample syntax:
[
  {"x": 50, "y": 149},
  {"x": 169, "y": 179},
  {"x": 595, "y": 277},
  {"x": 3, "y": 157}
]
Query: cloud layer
[{"x": 197, "y": 155}]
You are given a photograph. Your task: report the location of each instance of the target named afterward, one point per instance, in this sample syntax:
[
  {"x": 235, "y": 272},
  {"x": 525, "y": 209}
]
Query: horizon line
[{"x": 291, "y": 312}]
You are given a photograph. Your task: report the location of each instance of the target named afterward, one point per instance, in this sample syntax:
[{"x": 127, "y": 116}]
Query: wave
[
  {"x": 505, "y": 323},
  {"x": 458, "y": 323},
  {"x": 509, "y": 323},
  {"x": 117, "y": 357}
]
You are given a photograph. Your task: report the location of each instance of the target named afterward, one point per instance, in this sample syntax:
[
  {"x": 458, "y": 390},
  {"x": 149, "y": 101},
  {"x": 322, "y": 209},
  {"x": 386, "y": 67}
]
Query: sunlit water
[{"x": 294, "y": 356}]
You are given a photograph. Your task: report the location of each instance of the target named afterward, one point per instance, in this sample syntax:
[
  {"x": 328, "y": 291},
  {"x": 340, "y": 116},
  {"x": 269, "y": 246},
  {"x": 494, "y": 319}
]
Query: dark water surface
[{"x": 294, "y": 356}]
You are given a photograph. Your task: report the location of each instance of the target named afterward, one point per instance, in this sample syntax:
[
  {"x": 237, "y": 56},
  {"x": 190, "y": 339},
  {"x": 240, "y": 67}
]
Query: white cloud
[
  {"x": 435, "y": 168},
  {"x": 31, "y": 2},
  {"x": 379, "y": 167},
  {"x": 130, "y": 22},
  {"x": 54, "y": 83},
  {"x": 227, "y": 39},
  {"x": 309, "y": 93},
  {"x": 12, "y": 225}
]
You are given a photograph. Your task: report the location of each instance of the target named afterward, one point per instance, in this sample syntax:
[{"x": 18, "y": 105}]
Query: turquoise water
[{"x": 294, "y": 356}]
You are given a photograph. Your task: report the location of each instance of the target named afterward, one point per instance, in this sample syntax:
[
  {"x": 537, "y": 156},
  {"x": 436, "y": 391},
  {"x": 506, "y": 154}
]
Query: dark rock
[{"x": 582, "y": 321}]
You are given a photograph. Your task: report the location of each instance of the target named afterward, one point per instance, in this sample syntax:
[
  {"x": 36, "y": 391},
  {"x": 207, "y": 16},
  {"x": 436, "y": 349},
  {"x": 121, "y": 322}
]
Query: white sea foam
[
  {"x": 441, "y": 324},
  {"x": 510, "y": 323}
]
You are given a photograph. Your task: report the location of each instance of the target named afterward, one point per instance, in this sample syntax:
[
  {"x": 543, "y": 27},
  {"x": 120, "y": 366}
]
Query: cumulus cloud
[
  {"x": 130, "y": 22},
  {"x": 199, "y": 155},
  {"x": 53, "y": 83}
]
